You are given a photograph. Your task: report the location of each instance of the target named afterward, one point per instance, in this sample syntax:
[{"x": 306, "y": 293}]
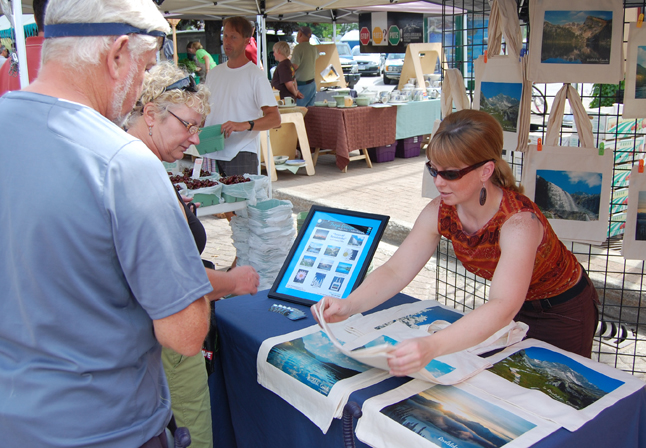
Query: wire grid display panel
[{"x": 621, "y": 335}]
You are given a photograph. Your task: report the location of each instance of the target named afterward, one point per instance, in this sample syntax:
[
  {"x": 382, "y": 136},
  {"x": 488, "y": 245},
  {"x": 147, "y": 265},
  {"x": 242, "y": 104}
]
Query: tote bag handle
[
  {"x": 453, "y": 90},
  {"x": 583, "y": 123}
]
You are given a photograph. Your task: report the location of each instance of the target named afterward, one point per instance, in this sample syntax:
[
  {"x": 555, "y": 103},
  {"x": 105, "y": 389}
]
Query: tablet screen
[{"x": 330, "y": 256}]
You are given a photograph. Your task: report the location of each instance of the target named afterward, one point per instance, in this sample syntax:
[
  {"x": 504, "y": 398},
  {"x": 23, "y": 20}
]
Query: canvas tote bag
[
  {"x": 502, "y": 88},
  {"x": 571, "y": 186}
]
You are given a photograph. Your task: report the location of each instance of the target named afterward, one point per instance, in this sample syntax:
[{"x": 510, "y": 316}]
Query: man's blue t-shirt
[{"x": 93, "y": 247}]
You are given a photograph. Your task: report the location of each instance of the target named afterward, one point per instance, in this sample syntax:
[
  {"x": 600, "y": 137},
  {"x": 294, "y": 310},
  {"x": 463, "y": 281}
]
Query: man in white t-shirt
[{"x": 241, "y": 100}]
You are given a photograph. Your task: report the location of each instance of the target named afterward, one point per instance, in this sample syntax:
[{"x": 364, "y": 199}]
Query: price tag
[{"x": 197, "y": 168}]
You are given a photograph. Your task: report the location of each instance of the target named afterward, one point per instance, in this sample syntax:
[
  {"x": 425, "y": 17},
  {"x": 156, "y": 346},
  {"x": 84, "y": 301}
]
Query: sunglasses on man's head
[
  {"x": 454, "y": 174},
  {"x": 187, "y": 84}
]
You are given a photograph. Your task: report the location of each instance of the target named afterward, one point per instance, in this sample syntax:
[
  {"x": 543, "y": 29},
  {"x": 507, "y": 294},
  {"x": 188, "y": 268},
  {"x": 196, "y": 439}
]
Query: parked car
[
  {"x": 369, "y": 63},
  {"x": 348, "y": 64},
  {"x": 392, "y": 68}
]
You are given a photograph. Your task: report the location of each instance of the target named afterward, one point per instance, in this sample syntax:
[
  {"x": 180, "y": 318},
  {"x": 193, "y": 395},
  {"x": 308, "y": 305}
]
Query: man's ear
[{"x": 119, "y": 58}]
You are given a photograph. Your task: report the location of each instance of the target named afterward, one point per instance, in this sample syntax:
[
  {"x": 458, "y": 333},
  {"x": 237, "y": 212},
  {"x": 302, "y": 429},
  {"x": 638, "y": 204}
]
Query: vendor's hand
[
  {"x": 246, "y": 280},
  {"x": 334, "y": 310},
  {"x": 299, "y": 95},
  {"x": 410, "y": 356},
  {"x": 233, "y": 126}
]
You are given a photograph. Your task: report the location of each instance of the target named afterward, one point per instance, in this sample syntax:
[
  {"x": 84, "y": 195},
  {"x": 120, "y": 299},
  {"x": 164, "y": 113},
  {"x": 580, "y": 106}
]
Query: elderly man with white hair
[{"x": 96, "y": 265}]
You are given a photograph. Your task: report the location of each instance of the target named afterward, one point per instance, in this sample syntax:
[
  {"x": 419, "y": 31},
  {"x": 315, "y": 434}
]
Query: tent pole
[
  {"x": 262, "y": 23},
  {"x": 21, "y": 48},
  {"x": 334, "y": 29},
  {"x": 173, "y": 24}
]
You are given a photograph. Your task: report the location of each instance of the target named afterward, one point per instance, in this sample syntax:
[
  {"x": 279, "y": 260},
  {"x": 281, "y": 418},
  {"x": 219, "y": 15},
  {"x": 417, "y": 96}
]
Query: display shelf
[{"x": 221, "y": 208}]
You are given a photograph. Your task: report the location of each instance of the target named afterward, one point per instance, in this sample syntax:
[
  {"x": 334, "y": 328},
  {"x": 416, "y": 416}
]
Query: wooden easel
[
  {"x": 420, "y": 60},
  {"x": 328, "y": 54}
]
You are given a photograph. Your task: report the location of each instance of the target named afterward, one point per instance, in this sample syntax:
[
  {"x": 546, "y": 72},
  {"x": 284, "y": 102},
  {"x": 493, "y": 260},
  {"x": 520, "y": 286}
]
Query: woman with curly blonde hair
[{"x": 167, "y": 119}]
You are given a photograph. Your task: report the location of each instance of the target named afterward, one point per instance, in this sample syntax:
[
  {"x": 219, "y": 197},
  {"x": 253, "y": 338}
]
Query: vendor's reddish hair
[{"x": 470, "y": 136}]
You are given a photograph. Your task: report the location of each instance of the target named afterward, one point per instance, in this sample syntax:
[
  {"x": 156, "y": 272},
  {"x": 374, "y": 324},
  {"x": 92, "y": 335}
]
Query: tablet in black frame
[{"x": 330, "y": 256}]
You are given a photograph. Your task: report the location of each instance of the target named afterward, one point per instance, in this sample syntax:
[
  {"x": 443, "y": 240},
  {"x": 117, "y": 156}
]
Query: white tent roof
[{"x": 288, "y": 10}]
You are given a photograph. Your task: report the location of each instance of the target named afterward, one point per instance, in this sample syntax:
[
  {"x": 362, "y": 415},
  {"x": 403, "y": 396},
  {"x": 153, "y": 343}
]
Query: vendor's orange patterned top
[{"x": 555, "y": 269}]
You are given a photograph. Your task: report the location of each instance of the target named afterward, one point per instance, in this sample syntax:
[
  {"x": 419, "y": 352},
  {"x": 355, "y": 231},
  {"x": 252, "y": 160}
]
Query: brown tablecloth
[{"x": 345, "y": 130}]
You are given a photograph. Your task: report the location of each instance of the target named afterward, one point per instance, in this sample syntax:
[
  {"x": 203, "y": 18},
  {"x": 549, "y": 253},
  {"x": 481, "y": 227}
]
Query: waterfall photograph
[{"x": 571, "y": 195}]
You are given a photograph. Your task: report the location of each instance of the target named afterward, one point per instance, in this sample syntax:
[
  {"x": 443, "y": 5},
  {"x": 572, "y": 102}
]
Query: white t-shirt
[{"x": 238, "y": 94}]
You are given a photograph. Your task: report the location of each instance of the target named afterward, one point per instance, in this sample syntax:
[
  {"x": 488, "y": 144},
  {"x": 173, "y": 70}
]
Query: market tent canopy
[{"x": 287, "y": 10}]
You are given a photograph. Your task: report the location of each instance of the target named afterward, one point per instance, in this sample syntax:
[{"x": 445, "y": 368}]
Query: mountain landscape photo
[
  {"x": 448, "y": 416},
  {"x": 502, "y": 101},
  {"x": 555, "y": 375},
  {"x": 568, "y": 195},
  {"x": 577, "y": 37}
]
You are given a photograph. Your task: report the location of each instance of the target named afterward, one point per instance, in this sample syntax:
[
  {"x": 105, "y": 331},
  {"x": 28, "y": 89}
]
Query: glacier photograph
[{"x": 571, "y": 195}]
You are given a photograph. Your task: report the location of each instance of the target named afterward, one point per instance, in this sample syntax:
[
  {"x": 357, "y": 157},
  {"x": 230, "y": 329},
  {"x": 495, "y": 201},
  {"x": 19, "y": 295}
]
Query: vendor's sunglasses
[
  {"x": 187, "y": 84},
  {"x": 191, "y": 128},
  {"x": 454, "y": 174}
]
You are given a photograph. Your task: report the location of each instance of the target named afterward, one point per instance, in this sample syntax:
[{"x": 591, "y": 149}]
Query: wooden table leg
[
  {"x": 316, "y": 155},
  {"x": 365, "y": 153}
]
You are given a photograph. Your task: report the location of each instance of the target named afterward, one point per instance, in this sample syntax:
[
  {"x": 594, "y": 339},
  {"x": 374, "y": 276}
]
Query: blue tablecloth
[
  {"x": 246, "y": 415},
  {"x": 416, "y": 118}
]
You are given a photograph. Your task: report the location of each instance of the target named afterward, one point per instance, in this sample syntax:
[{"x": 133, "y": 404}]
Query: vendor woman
[{"x": 497, "y": 233}]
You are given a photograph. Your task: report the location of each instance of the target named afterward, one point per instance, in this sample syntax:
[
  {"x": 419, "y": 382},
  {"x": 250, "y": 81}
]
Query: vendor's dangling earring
[
  {"x": 483, "y": 195},
  {"x": 150, "y": 131}
]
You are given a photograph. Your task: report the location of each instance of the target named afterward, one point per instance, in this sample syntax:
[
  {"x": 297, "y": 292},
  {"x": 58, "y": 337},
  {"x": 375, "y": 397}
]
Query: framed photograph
[
  {"x": 576, "y": 41},
  {"x": 498, "y": 91},
  {"x": 634, "y": 244},
  {"x": 330, "y": 256},
  {"x": 635, "y": 89},
  {"x": 571, "y": 187}
]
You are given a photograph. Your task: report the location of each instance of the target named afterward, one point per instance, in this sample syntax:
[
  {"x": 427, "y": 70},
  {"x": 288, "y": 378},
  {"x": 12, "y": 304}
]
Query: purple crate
[
  {"x": 409, "y": 147},
  {"x": 382, "y": 153}
]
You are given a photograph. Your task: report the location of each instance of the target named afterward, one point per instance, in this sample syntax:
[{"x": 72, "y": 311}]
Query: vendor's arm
[
  {"x": 269, "y": 120},
  {"x": 394, "y": 275},
  {"x": 185, "y": 330},
  {"x": 239, "y": 281},
  {"x": 520, "y": 237}
]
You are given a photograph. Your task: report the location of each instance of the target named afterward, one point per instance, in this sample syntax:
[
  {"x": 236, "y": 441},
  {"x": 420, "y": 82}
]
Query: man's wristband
[{"x": 251, "y": 124}]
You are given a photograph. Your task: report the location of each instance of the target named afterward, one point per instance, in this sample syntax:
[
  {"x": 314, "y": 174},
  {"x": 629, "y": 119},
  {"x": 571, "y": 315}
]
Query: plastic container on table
[
  {"x": 381, "y": 154},
  {"x": 409, "y": 147}
]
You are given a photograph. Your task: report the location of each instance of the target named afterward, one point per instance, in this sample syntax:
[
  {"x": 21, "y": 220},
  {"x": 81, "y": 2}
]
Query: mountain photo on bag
[
  {"x": 577, "y": 37},
  {"x": 571, "y": 195},
  {"x": 502, "y": 101}
]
